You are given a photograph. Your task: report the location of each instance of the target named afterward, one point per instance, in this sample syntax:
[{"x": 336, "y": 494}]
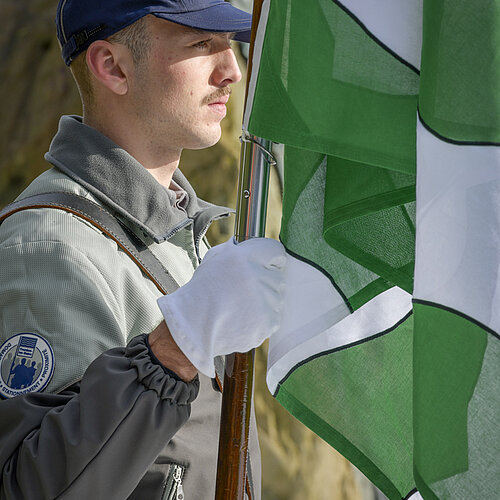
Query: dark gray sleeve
[{"x": 97, "y": 439}]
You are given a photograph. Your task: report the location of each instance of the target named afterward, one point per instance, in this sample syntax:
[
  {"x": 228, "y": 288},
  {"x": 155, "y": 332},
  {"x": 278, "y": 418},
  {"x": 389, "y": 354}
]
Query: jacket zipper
[
  {"x": 199, "y": 238},
  {"x": 204, "y": 230},
  {"x": 173, "y": 488}
]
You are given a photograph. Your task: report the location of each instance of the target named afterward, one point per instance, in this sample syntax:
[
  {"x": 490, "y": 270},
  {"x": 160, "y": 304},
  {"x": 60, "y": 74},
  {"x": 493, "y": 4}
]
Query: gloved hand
[{"x": 231, "y": 304}]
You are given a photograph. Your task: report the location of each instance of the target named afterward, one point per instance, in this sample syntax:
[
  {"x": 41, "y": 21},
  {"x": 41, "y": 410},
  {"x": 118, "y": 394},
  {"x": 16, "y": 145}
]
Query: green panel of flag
[
  {"x": 372, "y": 427},
  {"x": 358, "y": 79},
  {"x": 447, "y": 397},
  {"x": 389, "y": 116},
  {"x": 459, "y": 95}
]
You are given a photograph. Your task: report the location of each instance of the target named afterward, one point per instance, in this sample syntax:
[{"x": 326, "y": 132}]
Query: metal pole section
[
  {"x": 238, "y": 377},
  {"x": 252, "y": 189}
]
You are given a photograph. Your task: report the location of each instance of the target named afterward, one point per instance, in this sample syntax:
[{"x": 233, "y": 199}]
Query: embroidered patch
[{"x": 26, "y": 364}]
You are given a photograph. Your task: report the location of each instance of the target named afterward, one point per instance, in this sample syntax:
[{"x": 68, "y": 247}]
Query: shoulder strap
[
  {"x": 111, "y": 226},
  {"x": 105, "y": 222}
]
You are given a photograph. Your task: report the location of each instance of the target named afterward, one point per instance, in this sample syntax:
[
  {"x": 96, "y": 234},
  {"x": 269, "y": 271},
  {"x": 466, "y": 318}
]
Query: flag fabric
[{"x": 390, "y": 116}]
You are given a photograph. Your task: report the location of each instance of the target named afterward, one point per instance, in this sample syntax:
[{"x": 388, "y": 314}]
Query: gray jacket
[{"x": 112, "y": 423}]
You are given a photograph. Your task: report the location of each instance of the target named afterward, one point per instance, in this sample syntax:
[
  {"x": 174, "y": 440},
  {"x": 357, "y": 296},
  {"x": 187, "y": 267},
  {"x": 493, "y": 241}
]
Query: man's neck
[{"x": 160, "y": 164}]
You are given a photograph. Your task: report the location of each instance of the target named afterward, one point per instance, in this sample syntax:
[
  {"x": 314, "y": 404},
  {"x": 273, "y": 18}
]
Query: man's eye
[{"x": 202, "y": 44}]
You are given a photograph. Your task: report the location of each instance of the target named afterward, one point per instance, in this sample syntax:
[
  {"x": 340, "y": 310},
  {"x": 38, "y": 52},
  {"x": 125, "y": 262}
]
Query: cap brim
[{"x": 222, "y": 17}]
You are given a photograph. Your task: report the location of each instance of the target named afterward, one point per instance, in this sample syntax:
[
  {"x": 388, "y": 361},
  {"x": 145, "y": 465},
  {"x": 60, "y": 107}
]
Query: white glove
[{"x": 231, "y": 304}]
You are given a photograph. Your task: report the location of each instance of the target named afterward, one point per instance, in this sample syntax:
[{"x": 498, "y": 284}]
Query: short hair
[{"x": 136, "y": 37}]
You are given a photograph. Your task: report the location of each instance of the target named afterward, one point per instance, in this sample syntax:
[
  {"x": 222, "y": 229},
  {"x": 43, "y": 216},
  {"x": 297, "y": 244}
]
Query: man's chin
[{"x": 205, "y": 141}]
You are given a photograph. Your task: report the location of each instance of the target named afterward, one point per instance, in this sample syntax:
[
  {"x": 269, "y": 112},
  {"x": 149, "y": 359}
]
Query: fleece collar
[{"x": 121, "y": 182}]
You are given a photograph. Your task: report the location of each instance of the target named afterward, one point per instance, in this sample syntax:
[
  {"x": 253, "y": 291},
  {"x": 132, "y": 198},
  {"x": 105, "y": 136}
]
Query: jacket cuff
[{"x": 156, "y": 377}]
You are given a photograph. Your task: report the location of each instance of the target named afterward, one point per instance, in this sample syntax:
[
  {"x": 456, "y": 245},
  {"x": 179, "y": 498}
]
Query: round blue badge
[{"x": 26, "y": 364}]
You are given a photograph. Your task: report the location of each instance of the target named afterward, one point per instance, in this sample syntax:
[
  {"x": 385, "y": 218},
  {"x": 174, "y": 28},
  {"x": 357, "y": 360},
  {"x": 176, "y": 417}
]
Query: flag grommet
[{"x": 26, "y": 364}]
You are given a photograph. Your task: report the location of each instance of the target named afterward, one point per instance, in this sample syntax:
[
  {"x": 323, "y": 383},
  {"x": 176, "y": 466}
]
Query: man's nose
[{"x": 227, "y": 70}]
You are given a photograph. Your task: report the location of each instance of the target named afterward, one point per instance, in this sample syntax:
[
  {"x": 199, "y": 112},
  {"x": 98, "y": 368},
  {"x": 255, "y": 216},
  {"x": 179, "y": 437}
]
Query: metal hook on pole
[{"x": 246, "y": 137}]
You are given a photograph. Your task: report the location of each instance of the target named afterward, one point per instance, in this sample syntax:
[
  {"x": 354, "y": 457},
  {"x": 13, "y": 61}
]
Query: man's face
[{"x": 179, "y": 91}]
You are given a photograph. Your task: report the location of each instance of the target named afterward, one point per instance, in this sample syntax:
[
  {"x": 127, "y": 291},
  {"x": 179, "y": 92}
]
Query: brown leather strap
[{"x": 105, "y": 222}]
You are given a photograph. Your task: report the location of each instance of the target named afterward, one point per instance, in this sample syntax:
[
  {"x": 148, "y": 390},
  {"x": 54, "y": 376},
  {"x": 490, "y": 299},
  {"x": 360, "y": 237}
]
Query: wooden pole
[{"x": 238, "y": 378}]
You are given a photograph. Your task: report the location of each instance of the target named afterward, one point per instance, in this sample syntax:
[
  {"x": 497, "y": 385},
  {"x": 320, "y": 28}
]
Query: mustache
[{"x": 222, "y": 92}]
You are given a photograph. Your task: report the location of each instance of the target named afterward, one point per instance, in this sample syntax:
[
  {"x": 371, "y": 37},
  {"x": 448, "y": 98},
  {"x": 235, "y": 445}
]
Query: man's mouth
[{"x": 218, "y": 100}]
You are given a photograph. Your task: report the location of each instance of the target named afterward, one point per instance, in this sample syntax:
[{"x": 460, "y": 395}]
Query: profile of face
[{"x": 180, "y": 90}]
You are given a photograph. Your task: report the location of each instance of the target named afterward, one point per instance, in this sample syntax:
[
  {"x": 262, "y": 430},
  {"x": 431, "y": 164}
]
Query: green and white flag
[{"x": 389, "y": 111}]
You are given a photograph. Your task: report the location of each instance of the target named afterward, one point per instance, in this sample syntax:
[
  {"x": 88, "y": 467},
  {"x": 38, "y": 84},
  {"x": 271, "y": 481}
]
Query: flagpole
[{"x": 239, "y": 369}]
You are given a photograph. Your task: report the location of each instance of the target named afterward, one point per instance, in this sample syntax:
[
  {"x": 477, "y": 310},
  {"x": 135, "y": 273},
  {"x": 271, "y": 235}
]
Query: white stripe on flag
[
  {"x": 395, "y": 23},
  {"x": 310, "y": 308},
  {"x": 458, "y": 227},
  {"x": 257, "y": 52},
  {"x": 376, "y": 316},
  {"x": 415, "y": 496}
]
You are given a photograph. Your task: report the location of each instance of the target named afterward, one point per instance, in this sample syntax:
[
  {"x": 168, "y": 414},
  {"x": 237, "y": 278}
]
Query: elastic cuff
[{"x": 154, "y": 376}]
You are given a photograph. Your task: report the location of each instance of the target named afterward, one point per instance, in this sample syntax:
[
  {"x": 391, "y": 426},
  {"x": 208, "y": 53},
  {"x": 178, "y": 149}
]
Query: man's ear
[{"x": 109, "y": 65}]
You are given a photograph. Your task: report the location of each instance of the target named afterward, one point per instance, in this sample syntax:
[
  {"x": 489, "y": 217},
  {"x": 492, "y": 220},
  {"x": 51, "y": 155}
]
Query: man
[{"x": 113, "y": 412}]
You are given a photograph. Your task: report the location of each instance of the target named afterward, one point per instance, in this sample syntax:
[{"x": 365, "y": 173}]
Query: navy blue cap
[{"x": 81, "y": 22}]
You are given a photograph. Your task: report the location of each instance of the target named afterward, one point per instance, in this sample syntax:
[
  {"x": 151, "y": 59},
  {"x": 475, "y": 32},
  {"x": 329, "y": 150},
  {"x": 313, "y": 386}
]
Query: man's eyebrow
[{"x": 195, "y": 31}]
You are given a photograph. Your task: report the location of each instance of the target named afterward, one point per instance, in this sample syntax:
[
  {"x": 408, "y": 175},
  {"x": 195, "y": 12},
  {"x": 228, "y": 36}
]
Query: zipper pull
[
  {"x": 180, "y": 492},
  {"x": 177, "y": 479}
]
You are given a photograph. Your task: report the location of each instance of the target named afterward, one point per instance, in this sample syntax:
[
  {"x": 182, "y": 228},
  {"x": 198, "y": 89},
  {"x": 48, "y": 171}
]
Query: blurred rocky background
[{"x": 35, "y": 89}]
